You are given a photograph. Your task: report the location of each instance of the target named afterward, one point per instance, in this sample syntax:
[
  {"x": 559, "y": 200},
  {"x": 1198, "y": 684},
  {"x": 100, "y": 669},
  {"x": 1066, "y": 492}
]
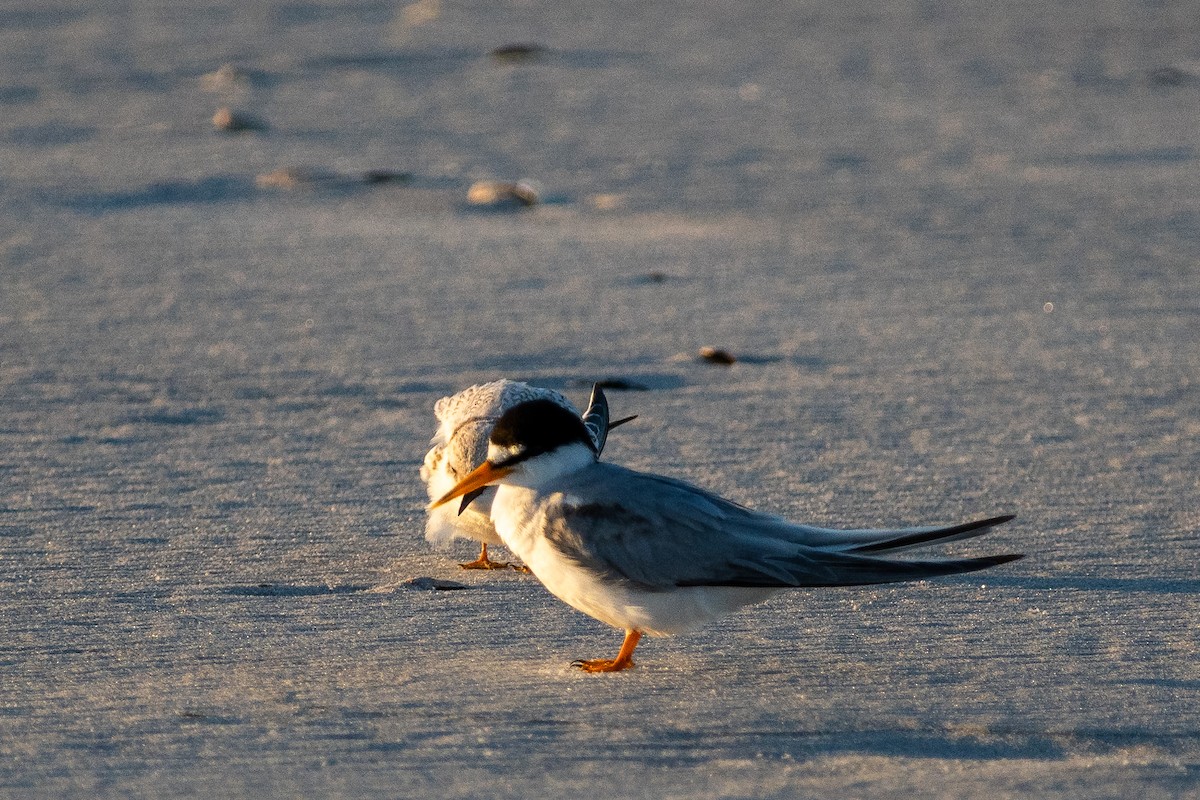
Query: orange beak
[{"x": 483, "y": 475}]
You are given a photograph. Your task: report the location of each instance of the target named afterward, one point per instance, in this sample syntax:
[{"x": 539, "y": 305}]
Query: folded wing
[{"x": 661, "y": 533}]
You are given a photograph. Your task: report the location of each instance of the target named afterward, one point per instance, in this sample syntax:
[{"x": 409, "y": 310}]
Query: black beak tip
[{"x": 469, "y": 498}]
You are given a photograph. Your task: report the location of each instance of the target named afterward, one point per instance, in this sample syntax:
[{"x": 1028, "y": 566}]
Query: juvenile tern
[
  {"x": 461, "y": 443},
  {"x": 653, "y": 555}
]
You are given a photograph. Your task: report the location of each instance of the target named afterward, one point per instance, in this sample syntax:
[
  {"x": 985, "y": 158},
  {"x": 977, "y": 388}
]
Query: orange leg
[
  {"x": 624, "y": 659},
  {"x": 483, "y": 562}
]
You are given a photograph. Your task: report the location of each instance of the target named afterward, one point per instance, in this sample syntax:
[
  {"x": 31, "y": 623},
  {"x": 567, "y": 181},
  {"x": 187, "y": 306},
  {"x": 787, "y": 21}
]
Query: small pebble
[
  {"x": 517, "y": 53},
  {"x": 230, "y": 121},
  {"x": 500, "y": 194},
  {"x": 386, "y": 176},
  {"x": 655, "y": 277},
  {"x": 427, "y": 584},
  {"x": 714, "y": 355}
]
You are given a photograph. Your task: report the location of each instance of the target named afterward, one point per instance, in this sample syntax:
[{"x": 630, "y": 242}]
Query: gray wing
[{"x": 661, "y": 533}]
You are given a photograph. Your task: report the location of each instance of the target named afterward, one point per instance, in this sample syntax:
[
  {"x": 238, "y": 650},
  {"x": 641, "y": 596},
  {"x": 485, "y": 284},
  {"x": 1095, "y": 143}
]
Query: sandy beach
[{"x": 951, "y": 247}]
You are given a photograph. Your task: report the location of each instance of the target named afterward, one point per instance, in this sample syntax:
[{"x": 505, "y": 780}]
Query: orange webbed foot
[
  {"x": 624, "y": 659},
  {"x": 486, "y": 563},
  {"x": 483, "y": 562},
  {"x": 602, "y": 665}
]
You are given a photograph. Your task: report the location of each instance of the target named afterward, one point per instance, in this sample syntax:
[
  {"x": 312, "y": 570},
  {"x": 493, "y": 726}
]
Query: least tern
[
  {"x": 654, "y": 555},
  {"x": 461, "y": 443}
]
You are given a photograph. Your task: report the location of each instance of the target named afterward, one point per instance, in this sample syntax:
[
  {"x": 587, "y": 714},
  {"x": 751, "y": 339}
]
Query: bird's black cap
[{"x": 536, "y": 427}]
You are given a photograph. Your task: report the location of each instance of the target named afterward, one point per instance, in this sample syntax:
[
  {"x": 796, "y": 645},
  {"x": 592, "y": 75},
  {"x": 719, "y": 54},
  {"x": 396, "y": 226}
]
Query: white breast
[{"x": 516, "y": 513}]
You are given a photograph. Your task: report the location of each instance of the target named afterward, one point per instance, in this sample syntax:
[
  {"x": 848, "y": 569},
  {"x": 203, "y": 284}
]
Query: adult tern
[{"x": 653, "y": 555}]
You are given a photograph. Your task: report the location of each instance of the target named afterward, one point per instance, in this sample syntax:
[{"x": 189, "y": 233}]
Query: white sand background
[{"x": 955, "y": 246}]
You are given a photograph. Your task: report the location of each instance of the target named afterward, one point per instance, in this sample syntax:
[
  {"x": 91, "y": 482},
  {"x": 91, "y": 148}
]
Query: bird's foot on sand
[
  {"x": 483, "y": 562},
  {"x": 603, "y": 664},
  {"x": 624, "y": 659}
]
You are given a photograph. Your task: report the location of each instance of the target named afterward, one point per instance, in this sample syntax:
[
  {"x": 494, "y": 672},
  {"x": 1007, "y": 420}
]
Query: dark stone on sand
[
  {"x": 427, "y": 584},
  {"x": 715, "y": 355},
  {"x": 230, "y": 121},
  {"x": 517, "y": 53}
]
